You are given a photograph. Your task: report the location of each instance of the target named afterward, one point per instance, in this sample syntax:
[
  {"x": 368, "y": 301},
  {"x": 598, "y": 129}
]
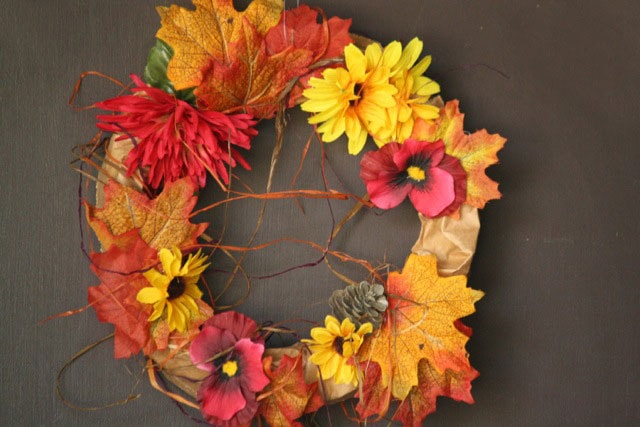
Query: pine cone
[{"x": 361, "y": 303}]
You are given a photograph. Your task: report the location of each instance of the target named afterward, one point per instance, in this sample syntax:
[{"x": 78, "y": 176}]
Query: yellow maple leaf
[
  {"x": 476, "y": 151},
  {"x": 162, "y": 222},
  {"x": 200, "y": 35},
  {"x": 419, "y": 324}
]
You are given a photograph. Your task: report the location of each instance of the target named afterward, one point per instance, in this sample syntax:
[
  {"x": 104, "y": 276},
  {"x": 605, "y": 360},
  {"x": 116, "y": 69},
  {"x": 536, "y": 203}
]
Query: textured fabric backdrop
[{"x": 556, "y": 337}]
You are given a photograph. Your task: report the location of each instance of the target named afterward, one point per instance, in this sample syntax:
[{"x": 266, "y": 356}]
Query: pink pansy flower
[
  {"x": 173, "y": 139},
  {"x": 435, "y": 182},
  {"x": 230, "y": 348}
]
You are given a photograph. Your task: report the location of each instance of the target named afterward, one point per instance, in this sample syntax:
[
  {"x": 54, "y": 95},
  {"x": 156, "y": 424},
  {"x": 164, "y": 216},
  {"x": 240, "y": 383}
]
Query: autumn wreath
[{"x": 393, "y": 340}]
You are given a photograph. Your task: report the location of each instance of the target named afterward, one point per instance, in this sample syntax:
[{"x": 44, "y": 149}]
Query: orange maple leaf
[
  {"x": 206, "y": 33},
  {"x": 419, "y": 325},
  {"x": 476, "y": 151},
  {"x": 422, "y": 398},
  {"x": 288, "y": 397},
  {"x": 163, "y": 222},
  {"x": 253, "y": 81},
  {"x": 120, "y": 269}
]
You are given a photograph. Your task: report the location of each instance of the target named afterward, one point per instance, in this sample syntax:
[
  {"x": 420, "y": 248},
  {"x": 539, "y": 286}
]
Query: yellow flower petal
[
  {"x": 150, "y": 295},
  {"x": 355, "y": 61}
]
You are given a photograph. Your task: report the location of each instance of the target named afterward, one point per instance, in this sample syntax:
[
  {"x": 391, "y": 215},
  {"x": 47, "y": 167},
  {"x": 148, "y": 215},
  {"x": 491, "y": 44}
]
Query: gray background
[{"x": 556, "y": 337}]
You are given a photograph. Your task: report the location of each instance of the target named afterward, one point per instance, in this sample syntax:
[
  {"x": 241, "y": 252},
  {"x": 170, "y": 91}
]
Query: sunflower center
[
  {"x": 357, "y": 88},
  {"x": 176, "y": 288},
  {"x": 416, "y": 173},
  {"x": 230, "y": 368},
  {"x": 337, "y": 345}
]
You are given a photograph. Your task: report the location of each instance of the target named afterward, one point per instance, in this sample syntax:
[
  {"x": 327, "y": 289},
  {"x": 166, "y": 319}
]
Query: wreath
[{"x": 392, "y": 341}]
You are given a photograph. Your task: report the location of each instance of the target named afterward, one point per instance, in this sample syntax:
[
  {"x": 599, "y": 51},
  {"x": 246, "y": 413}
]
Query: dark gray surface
[{"x": 556, "y": 338}]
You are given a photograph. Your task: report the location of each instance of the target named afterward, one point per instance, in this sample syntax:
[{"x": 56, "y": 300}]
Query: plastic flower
[
  {"x": 174, "y": 291},
  {"x": 230, "y": 349},
  {"x": 334, "y": 348},
  {"x": 347, "y": 100},
  {"x": 435, "y": 182},
  {"x": 173, "y": 139},
  {"x": 413, "y": 91}
]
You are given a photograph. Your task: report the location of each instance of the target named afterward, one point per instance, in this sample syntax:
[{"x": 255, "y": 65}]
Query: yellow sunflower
[
  {"x": 346, "y": 100},
  {"x": 174, "y": 291},
  {"x": 334, "y": 348},
  {"x": 413, "y": 91}
]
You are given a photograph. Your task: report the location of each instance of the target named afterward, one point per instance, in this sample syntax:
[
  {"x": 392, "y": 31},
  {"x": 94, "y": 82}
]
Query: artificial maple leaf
[
  {"x": 419, "y": 324},
  {"x": 163, "y": 222},
  {"x": 422, "y": 398},
  {"x": 253, "y": 81},
  {"x": 114, "y": 299},
  {"x": 162, "y": 335},
  {"x": 299, "y": 28},
  {"x": 375, "y": 399},
  {"x": 476, "y": 151},
  {"x": 288, "y": 397},
  {"x": 206, "y": 33}
]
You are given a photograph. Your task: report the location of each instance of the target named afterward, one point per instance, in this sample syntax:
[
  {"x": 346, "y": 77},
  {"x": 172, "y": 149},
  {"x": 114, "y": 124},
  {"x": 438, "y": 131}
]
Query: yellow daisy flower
[
  {"x": 413, "y": 91},
  {"x": 346, "y": 100},
  {"x": 334, "y": 348},
  {"x": 174, "y": 291}
]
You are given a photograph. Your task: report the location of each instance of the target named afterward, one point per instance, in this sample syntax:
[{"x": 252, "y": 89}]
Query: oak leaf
[
  {"x": 288, "y": 397},
  {"x": 163, "y": 222},
  {"x": 120, "y": 269},
  {"x": 206, "y": 33},
  {"x": 253, "y": 81},
  {"x": 476, "y": 151},
  {"x": 419, "y": 324}
]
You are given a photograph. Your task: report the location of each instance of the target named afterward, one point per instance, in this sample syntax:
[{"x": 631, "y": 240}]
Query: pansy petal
[
  {"x": 436, "y": 196},
  {"x": 209, "y": 342},
  {"x": 252, "y": 373},
  {"x": 223, "y": 399}
]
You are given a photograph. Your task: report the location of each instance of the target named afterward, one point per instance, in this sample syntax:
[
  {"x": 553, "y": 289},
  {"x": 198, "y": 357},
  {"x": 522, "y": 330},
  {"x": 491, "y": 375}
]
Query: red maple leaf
[
  {"x": 288, "y": 397},
  {"x": 299, "y": 28},
  {"x": 114, "y": 299},
  {"x": 421, "y": 401}
]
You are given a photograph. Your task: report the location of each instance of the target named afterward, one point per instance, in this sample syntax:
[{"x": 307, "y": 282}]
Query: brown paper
[
  {"x": 180, "y": 370},
  {"x": 113, "y": 167},
  {"x": 452, "y": 241}
]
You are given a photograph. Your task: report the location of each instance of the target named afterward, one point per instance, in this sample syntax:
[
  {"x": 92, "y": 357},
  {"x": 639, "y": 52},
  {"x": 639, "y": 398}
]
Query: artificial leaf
[
  {"x": 253, "y": 80},
  {"x": 206, "y": 33},
  {"x": 419, "y": 324},
  {"x": 299, "y": 28},
  {"x": 155, "y": 72},
  {"x": 288, "y": 397},
  {"x": 476, "y": 151},
  {"x": 162, "y": 336},
  {"x": 114, "y": 299},
  {"x": 163, "y": 222},
  {"x": 422, "y": 398},
  {"x": 374, "y": 399}
]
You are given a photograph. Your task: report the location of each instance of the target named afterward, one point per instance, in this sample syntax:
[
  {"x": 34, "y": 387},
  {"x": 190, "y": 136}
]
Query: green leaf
[{"x": 155, "y": 73}]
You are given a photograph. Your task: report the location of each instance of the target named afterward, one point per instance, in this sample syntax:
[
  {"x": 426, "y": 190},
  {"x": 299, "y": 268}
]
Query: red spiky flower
[{"x": 173, "y": 139}]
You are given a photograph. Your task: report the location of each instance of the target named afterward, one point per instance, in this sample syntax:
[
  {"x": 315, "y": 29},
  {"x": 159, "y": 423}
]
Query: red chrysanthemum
[
  {"x": 230, "y": 348},
  {"x": 173, "y": 139},
  {"x": 435, "y": 182}
]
